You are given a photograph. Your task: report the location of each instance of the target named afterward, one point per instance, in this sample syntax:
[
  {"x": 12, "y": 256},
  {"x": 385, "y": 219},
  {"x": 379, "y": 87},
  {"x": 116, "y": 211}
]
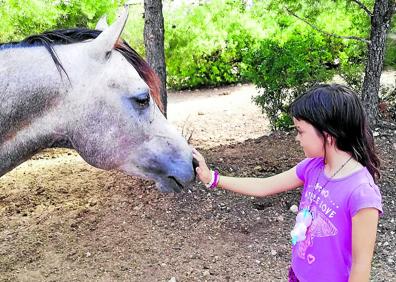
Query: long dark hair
[{"x": 338, "y": 111}]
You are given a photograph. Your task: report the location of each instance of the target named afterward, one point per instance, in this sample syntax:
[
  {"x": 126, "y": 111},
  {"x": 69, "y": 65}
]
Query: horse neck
[{"x": 29, "y": 91}]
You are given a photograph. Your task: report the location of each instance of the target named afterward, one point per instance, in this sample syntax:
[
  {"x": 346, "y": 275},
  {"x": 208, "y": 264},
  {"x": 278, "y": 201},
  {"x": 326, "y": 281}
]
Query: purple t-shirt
[{"x": 326, "y": 253}]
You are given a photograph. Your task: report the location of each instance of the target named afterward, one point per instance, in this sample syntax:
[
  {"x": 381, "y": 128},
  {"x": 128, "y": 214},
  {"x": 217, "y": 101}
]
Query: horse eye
[{"x": 142, "y": 100}]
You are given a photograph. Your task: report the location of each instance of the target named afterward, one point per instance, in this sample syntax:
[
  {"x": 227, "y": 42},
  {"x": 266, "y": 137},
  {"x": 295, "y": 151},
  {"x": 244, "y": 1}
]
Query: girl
[{"x": 335, "y": 231}]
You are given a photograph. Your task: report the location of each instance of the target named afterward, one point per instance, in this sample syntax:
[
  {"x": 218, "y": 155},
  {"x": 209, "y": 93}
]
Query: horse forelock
[
  {"x": 143, "y": 69},
  {"x": 77, "y": 35}
]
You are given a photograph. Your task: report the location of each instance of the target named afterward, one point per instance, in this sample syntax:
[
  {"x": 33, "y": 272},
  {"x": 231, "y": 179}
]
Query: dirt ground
[{"x": 62, "y": 220}]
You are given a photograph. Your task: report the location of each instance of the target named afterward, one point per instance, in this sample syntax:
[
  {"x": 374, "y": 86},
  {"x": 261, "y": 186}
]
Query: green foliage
[
  {"x": 223, "y": 42},
  {"x": 18, "y": 18},
  {"x": 86, "y": 13},
  {"x": 133, "y": 31},
  {"x": 220, "y": 42},
  {"x": 390, "y": 54},
  {"x": 352, "y": 64},
  {"x": 284, "y": 121},
  {"x": 206, "y": 45},
  {"x": 21, "y": 18},
  {"x": 297, "y": 56},
  {"x": 284, "y": 71}
]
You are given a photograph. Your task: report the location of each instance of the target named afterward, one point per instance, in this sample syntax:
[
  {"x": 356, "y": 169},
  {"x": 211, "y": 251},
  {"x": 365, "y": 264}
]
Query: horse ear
[
  {"x": 105, "y": 42},
  {"x": 102, "y": 23}
]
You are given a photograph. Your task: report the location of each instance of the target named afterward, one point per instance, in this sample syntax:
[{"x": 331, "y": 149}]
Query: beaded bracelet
[{"x": 214, "y": 180}]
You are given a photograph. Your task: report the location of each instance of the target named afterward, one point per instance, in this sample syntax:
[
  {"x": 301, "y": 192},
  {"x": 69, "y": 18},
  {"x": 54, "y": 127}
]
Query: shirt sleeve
[
  {"x": 301, "y": 168},
  {"x": 366, "y": 195}
]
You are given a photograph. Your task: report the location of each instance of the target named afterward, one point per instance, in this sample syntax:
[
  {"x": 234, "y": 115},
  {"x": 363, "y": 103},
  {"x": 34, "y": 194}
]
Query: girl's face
[{"x": 310, "y": 139}]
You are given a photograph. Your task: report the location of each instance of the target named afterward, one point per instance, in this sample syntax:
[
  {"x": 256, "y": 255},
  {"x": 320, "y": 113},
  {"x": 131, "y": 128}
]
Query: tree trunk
[
  {"x": 380, "y": 23},
  {"x": 154, "y": 43}
]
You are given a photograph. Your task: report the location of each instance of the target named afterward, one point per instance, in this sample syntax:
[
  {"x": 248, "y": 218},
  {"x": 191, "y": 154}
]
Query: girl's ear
[{"x": 328, "y": 138}]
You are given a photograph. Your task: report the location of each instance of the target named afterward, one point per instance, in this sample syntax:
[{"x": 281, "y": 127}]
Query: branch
[
  {"x": 361, "y": 5},
  {"x": 326, "y": 33}
]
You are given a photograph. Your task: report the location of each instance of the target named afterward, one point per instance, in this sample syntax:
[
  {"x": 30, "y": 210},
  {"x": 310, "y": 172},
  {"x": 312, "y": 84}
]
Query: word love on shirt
[{"x": 321, "y": 198}]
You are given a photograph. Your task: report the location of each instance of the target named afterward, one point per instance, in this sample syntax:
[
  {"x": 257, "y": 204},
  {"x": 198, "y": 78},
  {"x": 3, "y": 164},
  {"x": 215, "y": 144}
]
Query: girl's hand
[{"x": 202, "y": 170}]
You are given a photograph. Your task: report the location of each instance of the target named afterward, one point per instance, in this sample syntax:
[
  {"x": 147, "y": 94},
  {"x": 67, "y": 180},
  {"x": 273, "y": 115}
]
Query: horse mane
[{"x": 76, "y": 35}]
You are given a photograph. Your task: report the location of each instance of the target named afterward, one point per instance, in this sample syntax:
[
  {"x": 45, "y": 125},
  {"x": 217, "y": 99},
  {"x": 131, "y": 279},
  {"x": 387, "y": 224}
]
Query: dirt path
[
  {"x": 217, "y": 116},
  {"x": 62, "y": 220}
]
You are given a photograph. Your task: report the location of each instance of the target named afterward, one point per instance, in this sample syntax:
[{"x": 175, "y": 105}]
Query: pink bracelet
[{"x": 215, "y": 180}]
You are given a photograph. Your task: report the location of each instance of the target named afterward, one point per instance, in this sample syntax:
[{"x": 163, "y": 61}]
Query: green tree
[
  {"x": 85, "y": 13},
  {"x": 20, "y": 18},
  {"x": 282, "y": 71},
  {"x": 375, "y": 17}
]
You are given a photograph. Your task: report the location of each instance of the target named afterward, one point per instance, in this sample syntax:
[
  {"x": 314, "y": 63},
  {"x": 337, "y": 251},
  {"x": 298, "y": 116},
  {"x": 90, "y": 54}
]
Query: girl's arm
[
  {"x": 250, "y": 186},
  {"x": 262, "y": 186},
  {"x": 364, "y": 231}
]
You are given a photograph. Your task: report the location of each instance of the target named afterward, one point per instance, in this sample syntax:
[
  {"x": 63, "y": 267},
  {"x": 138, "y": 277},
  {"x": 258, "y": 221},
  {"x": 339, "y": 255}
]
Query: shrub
[
  {"x": 206, "y": 44},
  {"x": 284, "y": 71},
  {"x": 390, "y": 53},
  {"x": 86, "y": 13},
  {"x": 19, "y": 19}
]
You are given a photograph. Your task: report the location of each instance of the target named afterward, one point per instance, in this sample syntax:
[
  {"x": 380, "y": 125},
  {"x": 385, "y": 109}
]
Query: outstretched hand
[{"x": 202, "y": 170}]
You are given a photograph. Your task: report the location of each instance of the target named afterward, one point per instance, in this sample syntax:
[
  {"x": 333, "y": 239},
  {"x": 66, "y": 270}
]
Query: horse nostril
[{"x": 179, "y": 185}]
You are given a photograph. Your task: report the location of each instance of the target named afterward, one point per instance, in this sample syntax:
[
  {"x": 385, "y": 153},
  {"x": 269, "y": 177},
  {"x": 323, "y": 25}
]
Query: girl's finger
[
  {"x": 196, "y": 152},
  {"x": 199, "y": 158}
]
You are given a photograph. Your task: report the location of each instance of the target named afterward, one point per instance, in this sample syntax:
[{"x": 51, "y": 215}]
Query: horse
[{"x": 90, "y": 91}]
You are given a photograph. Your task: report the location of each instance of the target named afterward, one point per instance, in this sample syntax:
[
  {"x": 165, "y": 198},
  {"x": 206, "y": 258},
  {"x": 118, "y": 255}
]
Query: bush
[
  {"x": 296, "y": 56},
  {"x": 19, "y": 19},
  {"x": 206, "y": 45},
  {"x": 221, "y": 42},
  {"x": 284, "y": 71},
  {"x": 86, "y": 13},
  {"x": 390, "y": 53}
]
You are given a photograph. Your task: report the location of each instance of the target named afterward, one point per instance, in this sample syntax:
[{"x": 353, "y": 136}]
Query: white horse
[{"x": 88, "y": 90}]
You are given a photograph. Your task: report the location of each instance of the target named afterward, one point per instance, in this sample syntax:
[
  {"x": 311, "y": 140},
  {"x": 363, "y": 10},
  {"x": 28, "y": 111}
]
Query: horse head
[{"x": 108, "y": 109}]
